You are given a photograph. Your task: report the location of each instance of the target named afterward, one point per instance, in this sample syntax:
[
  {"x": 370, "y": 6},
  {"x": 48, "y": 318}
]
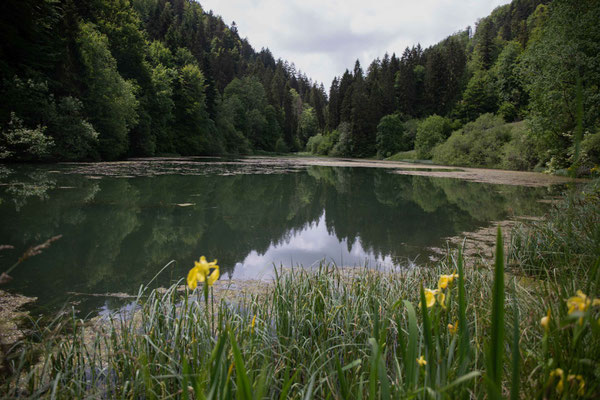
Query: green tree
[
  {"x": 390, "y": 136},
  {"x": 564, "y": 46},
  {"x": 161, "y": 107},
  {"x": 110, "y": 101},
  {"x": 74, "y": 137},
  {"x": 479, "y": 97},
  {"x": 511, "y": 93},
  {"x": 193, "y": 129},
  {"x": 308, "y": 125},
  {"x": 431, "y": 131}
]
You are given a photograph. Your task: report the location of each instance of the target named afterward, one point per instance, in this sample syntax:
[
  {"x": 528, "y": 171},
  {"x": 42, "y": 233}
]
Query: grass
[
  {"x": 349, "y": 333},
  {"x": 404, "y": 156}
]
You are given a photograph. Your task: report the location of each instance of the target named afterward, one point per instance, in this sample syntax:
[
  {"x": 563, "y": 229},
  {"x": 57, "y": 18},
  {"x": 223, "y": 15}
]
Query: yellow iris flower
[
  {"x": 252, "y": 324},
  {"x": 453, "y": 328},
  {"x": 545, "y": 321},
  {"x": 203, "y": 271},
  {"x": 579, "y": 378},
  {"x": 445, "y": 280},
  {"x": 580, "y": 303},
  {"x": 558, "y": 372},
  {"x": 441, "y": 298},
  {"x": 430, "y": 296},
  {"x": 421, "y": 361}
]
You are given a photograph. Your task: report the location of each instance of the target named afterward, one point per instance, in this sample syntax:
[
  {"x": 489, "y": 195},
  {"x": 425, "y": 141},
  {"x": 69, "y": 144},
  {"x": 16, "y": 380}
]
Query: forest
[{"x": 106, "y": 80}]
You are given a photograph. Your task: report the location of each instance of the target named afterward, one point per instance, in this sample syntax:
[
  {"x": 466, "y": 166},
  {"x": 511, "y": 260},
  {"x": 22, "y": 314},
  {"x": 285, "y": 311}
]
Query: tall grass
[{"x": 334, "y": 333}]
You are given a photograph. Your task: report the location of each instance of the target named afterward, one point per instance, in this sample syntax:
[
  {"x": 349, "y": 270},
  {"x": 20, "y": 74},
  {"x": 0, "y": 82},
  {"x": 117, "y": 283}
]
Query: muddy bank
[
  {"x": 274, "y": 165},
  {"x": 495, "y": 176}
]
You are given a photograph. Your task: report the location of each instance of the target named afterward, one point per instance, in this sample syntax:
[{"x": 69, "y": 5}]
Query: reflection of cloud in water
[{"x": 307, "y": 247}]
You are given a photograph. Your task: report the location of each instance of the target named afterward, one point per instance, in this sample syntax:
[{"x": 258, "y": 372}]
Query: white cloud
[{"x": 323, "y": 38}]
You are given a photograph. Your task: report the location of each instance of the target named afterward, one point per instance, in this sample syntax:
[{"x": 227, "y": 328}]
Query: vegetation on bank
[
  {"x": 449, "y": 331},
  {"x": 112, "y": 79},
  {"x": 503, "y": 96}
]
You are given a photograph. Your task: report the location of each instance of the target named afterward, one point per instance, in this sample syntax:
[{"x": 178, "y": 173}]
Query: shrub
[
  {"x": 590, "y": 150},
  {"x": 478, "y": 143},
  {"x": 313, "y": 143},
  {"x": 21, "y": 143},
  {"x": 430, "y": 132},
  {"x": 280, "y": 146},
  {"x": 520, "y": 153},
  {"x": 343, "y": 147}
]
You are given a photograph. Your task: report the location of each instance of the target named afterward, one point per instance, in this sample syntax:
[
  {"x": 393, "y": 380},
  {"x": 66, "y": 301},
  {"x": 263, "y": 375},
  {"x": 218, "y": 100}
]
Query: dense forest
[
  {"x": 109, "y": 79},
  {"x": 503, "y": 95}
]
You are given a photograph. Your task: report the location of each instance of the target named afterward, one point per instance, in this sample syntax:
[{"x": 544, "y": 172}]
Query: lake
[{"x": 122, "y": 222}]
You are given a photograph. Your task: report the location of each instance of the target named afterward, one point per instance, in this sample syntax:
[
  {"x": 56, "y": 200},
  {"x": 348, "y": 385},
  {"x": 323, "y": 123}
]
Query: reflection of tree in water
[
  {"x": 117, "y": 233},
  {"x": 35, "y": 183}
]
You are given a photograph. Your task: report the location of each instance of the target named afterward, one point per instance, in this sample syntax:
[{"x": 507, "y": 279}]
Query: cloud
[{"x": 323, "y": 38}]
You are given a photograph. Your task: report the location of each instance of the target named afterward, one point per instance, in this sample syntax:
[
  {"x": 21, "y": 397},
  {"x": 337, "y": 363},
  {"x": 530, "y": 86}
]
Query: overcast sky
[{"x": 324, "y": 37}]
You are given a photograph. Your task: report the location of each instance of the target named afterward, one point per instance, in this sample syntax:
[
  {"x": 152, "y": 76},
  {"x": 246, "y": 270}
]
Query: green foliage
[
  {"x": 430, "y": 132},
  {"x": 511, "y": 93},
  {"x": 110, "y": 100},
  {"x": 322, "y": 144},
  {"x": 590, "y": 148},
  {"x": 245, "y": 108},
  {"x": 307, "y": 124},
  {"x": 314, "y": 143},
  {"x": 161, "y": 107},
  {"x": 128, "y": 62},
  {"x": 343, "y": 147},
  {"x": 280, "y": 146},
  {"x": 479, "y": 97},
  {"x": 478, "y": 143},
  {"x": 566, "y": 243},
  {"x": 391, "y": 137},
  {"x": 489, "y": 142},
  {"x": 194, "y": 131},
  {"x": 403, "y": 155},
  {"x": 566, "y": 45},
  {"x": 74, "y": 137},
  {"x": 520, "y": 152},
  {"x": 20, "y": 143},
  {"x": 63, "y": 119}
]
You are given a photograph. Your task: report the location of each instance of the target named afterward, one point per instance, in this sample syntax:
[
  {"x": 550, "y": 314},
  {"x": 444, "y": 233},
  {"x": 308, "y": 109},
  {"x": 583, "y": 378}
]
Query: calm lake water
[{"x": 122, "y": 222}]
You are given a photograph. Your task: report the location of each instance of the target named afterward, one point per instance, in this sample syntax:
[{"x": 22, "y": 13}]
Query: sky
[{"x": 324, "y": 37}]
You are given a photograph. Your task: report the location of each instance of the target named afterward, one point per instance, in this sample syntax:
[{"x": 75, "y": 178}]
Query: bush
[
  {"x": 478, "y": 143},
  {"x": 280, "y": 146},
  {"x": 520, "y": 153},
  {"x": 590, "y": 150},
  {"x": 343, "y": 147},
  {"x": 403, "y": 155},
  {"x": 313, "y": 143},
  {"x": 18, "y": 142},
  {"x": 430, "y": 132}
]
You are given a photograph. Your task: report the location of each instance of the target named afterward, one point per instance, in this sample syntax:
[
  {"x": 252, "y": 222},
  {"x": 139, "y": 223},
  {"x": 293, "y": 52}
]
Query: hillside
[
  {"x": 107, "y": 80},
  {"x": 450, "y": 102},
  {"x": 110, "y": 79}
]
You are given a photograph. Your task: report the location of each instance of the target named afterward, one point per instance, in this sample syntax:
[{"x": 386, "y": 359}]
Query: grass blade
[
  {"x": 244, "y": 389},
  {"x": 463, "y": 327},
  {"x": 495, "y": 350},
  {"x": 410, "y": 363},
  {"x": 516, "y": 354}
]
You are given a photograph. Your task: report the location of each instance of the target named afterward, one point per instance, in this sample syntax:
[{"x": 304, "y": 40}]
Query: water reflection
[
  {"x": 119, "y": 230},
  {"x": 308, "y": 247}
]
